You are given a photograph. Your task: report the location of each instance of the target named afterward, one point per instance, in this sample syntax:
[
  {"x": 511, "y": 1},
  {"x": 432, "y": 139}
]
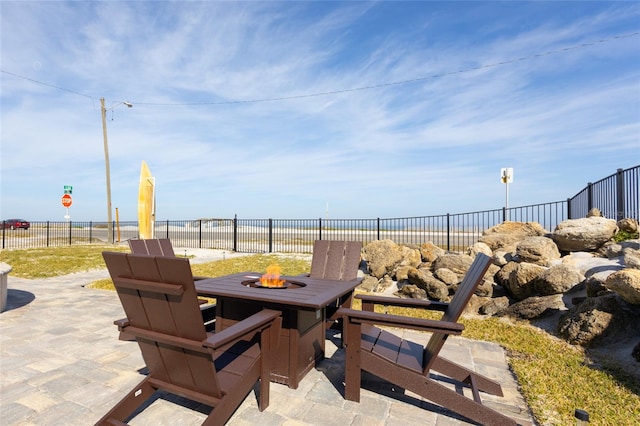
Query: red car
[{"x": 15, "y": 224}]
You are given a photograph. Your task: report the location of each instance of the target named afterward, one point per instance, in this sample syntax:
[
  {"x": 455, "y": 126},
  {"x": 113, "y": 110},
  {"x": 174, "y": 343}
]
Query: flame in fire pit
[{"x": 272, "y": 277}]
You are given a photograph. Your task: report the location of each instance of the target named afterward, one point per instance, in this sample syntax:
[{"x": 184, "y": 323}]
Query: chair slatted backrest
[
  {"x": 153, "y": 246},
  {"x": 335, "y": 260},
  {"x": 160, "y": 302},
  {"x": 467, "y": 287}
]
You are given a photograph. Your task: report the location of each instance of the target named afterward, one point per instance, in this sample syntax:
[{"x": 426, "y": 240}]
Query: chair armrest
[
  {"x": 122, "y": 322},
  {"x": 368, "y": 301},
  {"x": 255, "y": 323},
  {"x": 433, "y": 326}
]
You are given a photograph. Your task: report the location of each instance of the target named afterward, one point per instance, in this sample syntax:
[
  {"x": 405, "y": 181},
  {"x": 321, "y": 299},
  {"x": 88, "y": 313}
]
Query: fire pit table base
[{"x": 301, "y": 342}]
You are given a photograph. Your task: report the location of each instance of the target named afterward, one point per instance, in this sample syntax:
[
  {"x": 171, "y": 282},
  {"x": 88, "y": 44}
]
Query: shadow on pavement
[{"x": 18, "y": 298}]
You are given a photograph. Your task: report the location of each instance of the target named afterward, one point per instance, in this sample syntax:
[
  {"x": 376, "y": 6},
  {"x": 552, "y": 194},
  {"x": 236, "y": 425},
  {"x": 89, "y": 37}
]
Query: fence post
[
  {"x": 167, "y": 229},
  {"x": 319, "y": 228},
  {"x": 621, "y": 209},
  {"x": 270, "y": 235},
  {"x": 90, "y": 232},
  {"x": 3, "y": 232},
  {"x": 504, "y": 214},
  {"x": 569, "y": 209},
  {"x": 589, "y": 196},
  {"x": 235, "y": 233},
  {"x": 47, "y": 233},
  {"x": 70, "y": 232},
  {"x": 448, "y": 232},
  {"x": 199, "y": 233},
  {"x": 378, "y": 229}
]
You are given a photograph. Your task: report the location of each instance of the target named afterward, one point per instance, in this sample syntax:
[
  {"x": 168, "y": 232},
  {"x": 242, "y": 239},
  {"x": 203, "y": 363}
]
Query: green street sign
[{"x": 68, "y": 189}]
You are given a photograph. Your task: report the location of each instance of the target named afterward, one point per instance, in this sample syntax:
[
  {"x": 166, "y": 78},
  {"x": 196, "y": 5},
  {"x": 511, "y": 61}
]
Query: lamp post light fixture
[{"x": 106, "y": 163}]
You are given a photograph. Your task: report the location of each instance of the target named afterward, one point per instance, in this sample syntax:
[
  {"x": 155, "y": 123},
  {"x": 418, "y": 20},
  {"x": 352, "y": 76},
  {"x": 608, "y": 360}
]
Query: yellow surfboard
[{"x": 146, "y": 203}]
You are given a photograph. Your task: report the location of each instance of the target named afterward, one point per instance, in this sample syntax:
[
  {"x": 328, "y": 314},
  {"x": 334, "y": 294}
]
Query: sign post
[
  {"x": 66, "y": 202},
  {"x": 506, "y": 176}
]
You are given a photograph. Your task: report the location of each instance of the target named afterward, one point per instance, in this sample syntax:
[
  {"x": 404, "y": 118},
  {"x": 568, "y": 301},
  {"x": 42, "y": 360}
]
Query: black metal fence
[{"x": 616, "y": 196}]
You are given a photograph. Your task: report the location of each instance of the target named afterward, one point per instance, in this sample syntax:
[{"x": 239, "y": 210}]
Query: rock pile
[{"x": 576, "y": 280}]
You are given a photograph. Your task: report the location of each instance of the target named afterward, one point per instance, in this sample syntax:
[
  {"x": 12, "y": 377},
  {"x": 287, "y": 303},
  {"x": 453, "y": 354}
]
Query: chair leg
[
  {"x": 461, "y": 374},
  {"x": 130, "y": 403},
  {"x": 441, "y": 395},
  {"x": 353, "y": 368}
]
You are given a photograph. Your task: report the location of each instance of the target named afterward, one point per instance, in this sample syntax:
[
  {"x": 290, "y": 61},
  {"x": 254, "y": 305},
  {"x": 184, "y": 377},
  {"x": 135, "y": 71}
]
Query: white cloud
[{"x": 426, "y": 147}]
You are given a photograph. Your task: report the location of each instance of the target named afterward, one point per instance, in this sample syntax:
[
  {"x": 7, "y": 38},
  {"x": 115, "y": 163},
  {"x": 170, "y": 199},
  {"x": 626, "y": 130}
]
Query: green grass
[
  {"x": 555, "y": 377},
  {"x": 49, "y": 262}
]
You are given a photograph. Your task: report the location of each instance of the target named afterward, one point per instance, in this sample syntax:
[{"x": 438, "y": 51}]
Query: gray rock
[
  {"x": 385, "y": 283},
  {"x": 535, "y": 307},
  {"x": 599, "y": 321},
  {"x": 521, "y": 280},
  {"x": 485, "y": 289},
  {"x": 626, "y": 283},
  {"x": 495, "y": 306},
  {"x": 479, "y": 248},
  {"x": 631, "y": 253},
  {"x": 448, "y": 277},
  {"x": 410, "y": 257},
  {"x": 410, "y": 291},
  {"x": 558, "y": 279},
  {"x": 435, "y": 289},
  {"x": 507, "y": 234},
  {"x": 594, "y": 212},
  {"x": 595, "y": 286},
  {"x": 430, "y": 252},
  {"x": 369, "y": 283},
  {"x": 629, "y": 225},
  {"x": 538, "y": 250},
  {"x": 458, "y": 263},
  {"x": 382, "y": 257},
  {"x": 587, "y": 234},
  {"x": 402, "y": 272}
]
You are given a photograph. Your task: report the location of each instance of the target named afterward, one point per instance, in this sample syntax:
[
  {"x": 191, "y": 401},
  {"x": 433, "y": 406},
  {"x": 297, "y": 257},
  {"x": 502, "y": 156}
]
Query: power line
[
  {"x": 356, "y": 89},
  {"x": 395, "y": 83},
  {"x": 46, "y": 84}
]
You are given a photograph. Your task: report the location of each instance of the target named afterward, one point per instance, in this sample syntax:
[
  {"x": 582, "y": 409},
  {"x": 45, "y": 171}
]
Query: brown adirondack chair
[
  {"x": 163, "y": 247},
  {"x": 408, "y": 364},
  {"x": 336, "y": 260},
  {"x": 153, "y": 246},
  {"x": 219, "y": 370}
]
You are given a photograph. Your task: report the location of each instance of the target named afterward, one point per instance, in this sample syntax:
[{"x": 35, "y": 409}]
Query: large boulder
[
  {"x": 558, "y": 279},
  {"x": 631, "y": 253},
  {"x": 411, "y": 291},
  {"x": 435, "y": 289},
  {"x": 410, "y": 257},
  {"x": 479, "y": 248},
  {"x": 629, "y": 225},
  {"x": 587, "y": 234},
  {"x": 519, "y": 279},
  {"x": 382, "y": 257},
  {"x": 600, "y": 321},
  {"x": 626, "y": 283},
  {"x": 534, "y": 307},
  {"x": 538, "y": 250},
  {"x": 430, "y": 252},
  {"x": 457, "y": 263},
  {"x": 508, "y": 234}
]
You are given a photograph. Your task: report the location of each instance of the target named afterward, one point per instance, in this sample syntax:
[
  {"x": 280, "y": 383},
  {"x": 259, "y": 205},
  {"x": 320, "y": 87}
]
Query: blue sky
[{"x": 314, "y": 109}]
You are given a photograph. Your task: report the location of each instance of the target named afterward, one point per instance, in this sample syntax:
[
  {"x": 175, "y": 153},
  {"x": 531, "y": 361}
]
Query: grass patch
[
  {"x": 46, "y": 262},
  {"x": 554, "y": 377}
]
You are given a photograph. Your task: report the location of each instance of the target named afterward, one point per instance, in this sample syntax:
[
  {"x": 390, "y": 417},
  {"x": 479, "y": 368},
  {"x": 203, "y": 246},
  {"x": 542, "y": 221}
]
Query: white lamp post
[{"x": 106, "y": 163}]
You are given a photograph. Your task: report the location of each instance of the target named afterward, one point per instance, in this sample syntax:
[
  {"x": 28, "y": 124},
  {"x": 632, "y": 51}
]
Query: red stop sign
[{"x": 66, "y": 200}]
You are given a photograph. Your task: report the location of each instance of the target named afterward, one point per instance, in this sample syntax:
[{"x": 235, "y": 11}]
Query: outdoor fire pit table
[{"x": 302, "y": 301}]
